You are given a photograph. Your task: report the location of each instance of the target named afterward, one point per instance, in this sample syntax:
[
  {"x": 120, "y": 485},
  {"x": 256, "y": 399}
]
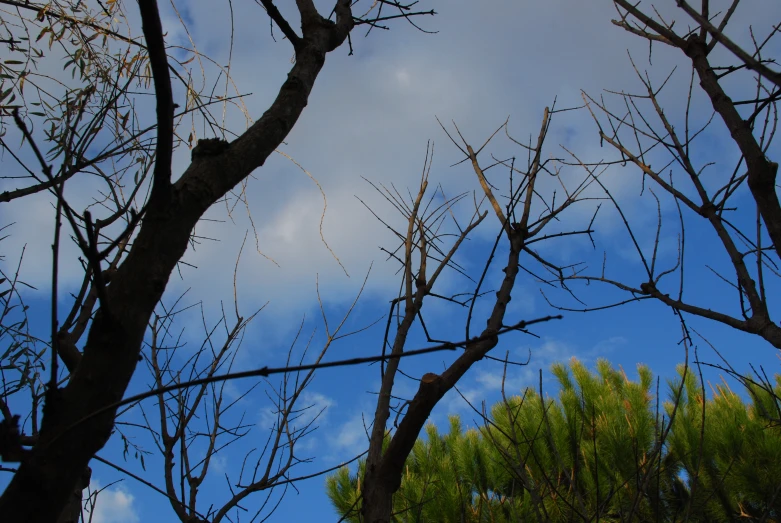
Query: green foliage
[
  {"x": 734, "y": 458},
  {"x": 605, "y": 450}
]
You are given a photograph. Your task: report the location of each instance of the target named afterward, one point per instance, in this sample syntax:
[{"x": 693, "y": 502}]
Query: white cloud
[
  {"x": 32, "y": 232},
  {"x": 403, "y": 78},
  {"x": 493, "y": 380},
  {"x": 602, "y": 348},
  {"x": 316, "y": 405},
  {"x": 351, "y": 434},
  {"x": 113, "y": 504},
  {"x": 219, "y": 465},
  {"x": 551, "y": 350},
  {"x": 310, "y": 405},
  {"x": 484, "y": 382},
  {"x": 455, "y": 403},
  {"x": 378, "y": 130}
]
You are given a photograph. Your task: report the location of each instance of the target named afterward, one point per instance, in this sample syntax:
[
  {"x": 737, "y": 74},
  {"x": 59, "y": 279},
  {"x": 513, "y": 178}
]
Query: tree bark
[
  {"x": 72, "y": 511},
  {"x": 761, "y": 171},
  {"x": 71, "y": 433},
  {"x": 383, "y": 477}
]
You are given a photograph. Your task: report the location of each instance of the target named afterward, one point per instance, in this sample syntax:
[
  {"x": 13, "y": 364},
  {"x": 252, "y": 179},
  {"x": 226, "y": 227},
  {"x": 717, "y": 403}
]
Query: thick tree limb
[
  {"x": 761, "y": 171},
  {"x": 113, "y": 344},
  {"x": 669, "y": 36},
  {"x": 385, "y": 462},
  {"x": 718, "y": 34},
  {"x": 158, "y": 61},
  {"x": 283, "y": 24},
  {"x": 758, "y": 324}
]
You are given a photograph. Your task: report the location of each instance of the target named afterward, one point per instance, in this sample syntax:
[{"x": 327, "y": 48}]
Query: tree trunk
[
  {"x": 79, "y": 419},
  {"x": 377, "y": 502},
  {"x": 72, "y": 511}
]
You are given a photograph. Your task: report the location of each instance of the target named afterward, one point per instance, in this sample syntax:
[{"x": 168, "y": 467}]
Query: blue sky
[{"x": 371, "y": 115}]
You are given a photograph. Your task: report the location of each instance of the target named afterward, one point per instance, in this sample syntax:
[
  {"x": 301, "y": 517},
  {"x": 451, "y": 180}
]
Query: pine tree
[{"x": 604, "y": 449}]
